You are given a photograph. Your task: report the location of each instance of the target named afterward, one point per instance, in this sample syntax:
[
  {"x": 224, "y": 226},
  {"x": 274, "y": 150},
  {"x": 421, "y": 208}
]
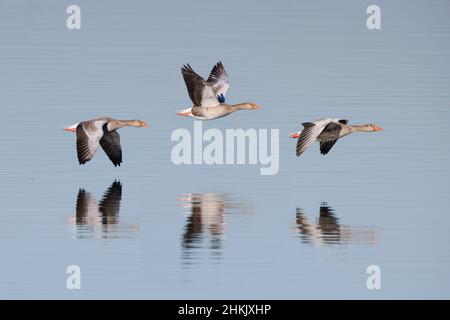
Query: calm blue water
[{"x": 204, "y": 231}]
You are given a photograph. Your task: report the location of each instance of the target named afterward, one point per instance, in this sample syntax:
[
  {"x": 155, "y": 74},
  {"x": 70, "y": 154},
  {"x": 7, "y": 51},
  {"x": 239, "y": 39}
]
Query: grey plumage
[
  {"x": 103, "y": 132},
  {"x": 327, "y": 131},
  {"x": 194, "y": 84},
  {"x": 205, "y": 93},
  {"x": 110, "y": 143}
]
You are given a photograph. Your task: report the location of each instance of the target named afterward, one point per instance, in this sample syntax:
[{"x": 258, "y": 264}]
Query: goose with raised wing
[
  {"x": 208, "y": 96},
  {"x": 103, "y": 132},
  {"x": 327, "y": 132}
]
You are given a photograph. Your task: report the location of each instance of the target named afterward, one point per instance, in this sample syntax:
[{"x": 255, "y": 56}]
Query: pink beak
[
  {"x": 378, "y": 128},
  {"x": 186, "y": 113},
  {"x": 71, "y": 129},
  {"x": 294, "y": 135}
]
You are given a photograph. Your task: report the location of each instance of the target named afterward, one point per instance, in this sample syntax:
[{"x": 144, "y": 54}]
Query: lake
[{"x": 156, "y": 230}]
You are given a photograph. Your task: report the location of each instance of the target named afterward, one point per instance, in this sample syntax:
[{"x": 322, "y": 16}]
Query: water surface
[{"x": 151, "y": 229}]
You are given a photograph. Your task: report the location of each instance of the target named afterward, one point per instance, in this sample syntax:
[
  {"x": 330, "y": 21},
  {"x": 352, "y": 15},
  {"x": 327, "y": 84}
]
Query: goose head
[
  {"x": 137, "y": 123},
  {"x": 368, "y": 127},
  {"x": 376, "y": 128}
]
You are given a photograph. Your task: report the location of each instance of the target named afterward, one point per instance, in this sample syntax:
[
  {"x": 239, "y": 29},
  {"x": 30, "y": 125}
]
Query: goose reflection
[
  {"x": 328, "y": 230},
  {"x": 102, "y": 220},
  {"x": 205, "y": 225}
]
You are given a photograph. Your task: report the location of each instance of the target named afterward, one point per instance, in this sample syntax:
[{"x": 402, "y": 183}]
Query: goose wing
[
  {"x": 330, "y": 135},
  {"x": 310, "y": 133},
  {"x": 200, "y": 91},
  {"x": 110, "y": 143},
  {"x": 89, "y": 134},
  {"x": 325, "y": 146},
  {"x": 220, "y": 81}
]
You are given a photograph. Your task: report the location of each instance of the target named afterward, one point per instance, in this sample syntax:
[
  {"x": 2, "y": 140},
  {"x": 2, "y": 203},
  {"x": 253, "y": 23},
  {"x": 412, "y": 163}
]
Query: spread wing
[
  {"x": 330, "y": 136},
  {"x": 310, "y": 133},
  {"x": 220, "y": 81},
  {"x": 325, "y": 146},
  {"x": 88, "y": 137},
  {"x": 201, "y": 93},
  {"x": 110, "y": 143}
]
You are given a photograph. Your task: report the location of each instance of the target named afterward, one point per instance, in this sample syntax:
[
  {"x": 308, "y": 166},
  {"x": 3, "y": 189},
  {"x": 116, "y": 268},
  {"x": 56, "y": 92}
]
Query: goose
[
  {"x": 208, "y": 96},
  {"x": 327, "y": 132},
  {"x": 103, "y": 132}
]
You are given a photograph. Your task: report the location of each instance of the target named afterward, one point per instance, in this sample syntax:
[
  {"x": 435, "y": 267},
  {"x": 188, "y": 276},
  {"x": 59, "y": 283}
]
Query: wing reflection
[
  {"x": 110, "y": 204},
  {"x": 205, "y": 226},
  {"x": 100, "y": 221},
  {"x": 328, "y": 230}
]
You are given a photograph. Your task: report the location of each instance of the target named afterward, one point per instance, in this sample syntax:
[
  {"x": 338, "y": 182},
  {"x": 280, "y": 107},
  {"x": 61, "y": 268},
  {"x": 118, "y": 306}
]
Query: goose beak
[
  {"x": 256, "y": 106},
  {"x": 70, "y": 129},
  {"x": 184, "y": 113},
  {"x": 378, "y": 128},
  {"x": 144, "y": 125},
  {"x": 294, "y": 135}
]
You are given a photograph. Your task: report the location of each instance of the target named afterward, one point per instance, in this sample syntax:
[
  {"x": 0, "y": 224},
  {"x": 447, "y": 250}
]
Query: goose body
[
  {"x": 103, "y": 132},
  {"x": 208, "y": 96},
  {"x": 327, "y": 132}
]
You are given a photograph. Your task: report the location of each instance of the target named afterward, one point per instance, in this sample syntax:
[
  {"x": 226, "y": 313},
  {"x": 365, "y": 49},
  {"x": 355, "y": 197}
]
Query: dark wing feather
[
  {"x": 110, "y": 142},
  {"x": 194, "y": 84},
  {"x": 329, "y": 136},
  {"x": 333, "y": 129},
  {"x": 308, "y": 124},
  {"x": 110, "y": 204},
  {"x": 344, "y": 121},
  {"x": 325, "y": 146}
]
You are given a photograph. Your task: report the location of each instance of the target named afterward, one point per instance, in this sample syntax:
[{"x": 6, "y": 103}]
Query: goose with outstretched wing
[
  {"x": 208, "y": 96},
  {"x": 101, "y": 132},
  {"x": 327, "y": 132}
]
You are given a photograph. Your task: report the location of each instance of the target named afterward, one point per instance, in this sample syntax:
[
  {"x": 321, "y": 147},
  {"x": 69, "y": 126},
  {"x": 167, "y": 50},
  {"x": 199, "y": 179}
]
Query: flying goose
[
  {"x": 327, "y": 132},
  {"x": 208, "y": 96},
  {"x": 103, "y": 132}
]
